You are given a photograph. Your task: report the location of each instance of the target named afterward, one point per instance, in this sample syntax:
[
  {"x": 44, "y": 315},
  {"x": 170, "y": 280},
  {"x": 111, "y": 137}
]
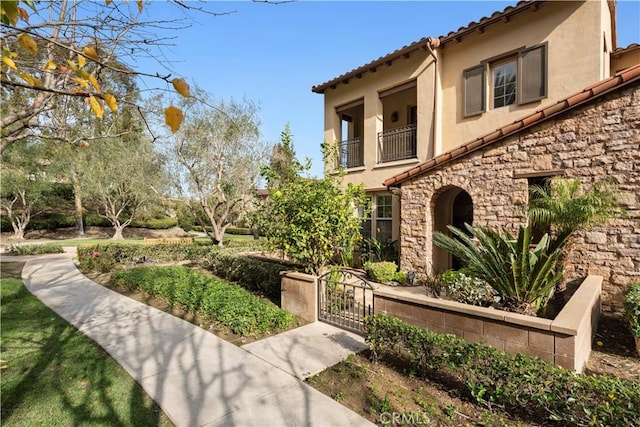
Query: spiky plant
[{"x": 523, "y": 275}]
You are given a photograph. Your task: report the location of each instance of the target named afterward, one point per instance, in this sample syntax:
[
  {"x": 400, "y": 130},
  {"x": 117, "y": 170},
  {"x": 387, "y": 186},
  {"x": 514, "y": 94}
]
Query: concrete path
[{"x": 196, "y": 378}]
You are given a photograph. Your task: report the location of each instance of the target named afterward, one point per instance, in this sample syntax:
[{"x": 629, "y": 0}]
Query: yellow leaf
[
  {"x": 81, "y": 82},
  {"x": 94, "y": 83},
  {"x": 3, "y": 367},
  {"x": 9, "y": 11},
  {"x": 139, "y": 6},
  {"x": 73, "y": 65},
  {"x": 29, "y": 79},
  {"x": 81, "y": 61},
  {"x": 82, "y": 73},
  {"x": 111, "y": 101},
  {"x": 173, "y": 117},
  {"x": 23, "y": 14},
  {"x": 9, "y": 63},
  {"x": 50, "y": 65},
  {"x": 109, "y": 2},
  {"x": 181, "y": 87},
  {"x": 96, "y": 106},
  {"x": 90, "y": 52},
  {"x": 28, "y": 43}
]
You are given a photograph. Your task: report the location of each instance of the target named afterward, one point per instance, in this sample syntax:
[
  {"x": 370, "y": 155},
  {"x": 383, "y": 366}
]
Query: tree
[
  {"x": 216, "y": 160},
  {"x": 53, "y": 50},
  {"x": 312, "y": 221},
  {"x": 25, "y": 190},
  {"x": 124, "y": 176},
  {"x": 283, "y": 163}
]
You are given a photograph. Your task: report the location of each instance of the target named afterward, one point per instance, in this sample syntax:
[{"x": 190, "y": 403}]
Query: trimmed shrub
[
  {"x": 381, "y": 272},
  {"x": 50, "y": 221},
  {"x": 156, "y": 223},
  {"x": 251, "y": 273},
  {"x": 525, "y": 384},
  {"x": 632, "y": 308},
  {"x": 209, "y": 297},
  {"x": 242, "y": 231},
  {"x": 93, "y": 220},
  {"x": 34, "y": 249}
]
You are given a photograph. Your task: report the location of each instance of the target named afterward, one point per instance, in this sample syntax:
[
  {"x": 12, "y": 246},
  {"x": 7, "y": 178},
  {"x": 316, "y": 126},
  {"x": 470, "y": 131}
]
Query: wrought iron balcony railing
[
  {"x": 397, "y": 144},
  {"x": 351, "y": 153}
]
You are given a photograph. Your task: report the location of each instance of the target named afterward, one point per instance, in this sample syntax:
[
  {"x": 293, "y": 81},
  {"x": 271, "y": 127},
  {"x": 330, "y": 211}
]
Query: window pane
[
  {"x": 383, "y": 230},
  {"x": 383, "y": 207},
  {"x": 365, "y": 229},
  {"x": 504, "y": 87}
]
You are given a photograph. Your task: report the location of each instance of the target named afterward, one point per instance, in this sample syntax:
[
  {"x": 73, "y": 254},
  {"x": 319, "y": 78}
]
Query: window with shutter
[
  {"x": 532, "y": 76},
  {"x": 474, "y": 90}
]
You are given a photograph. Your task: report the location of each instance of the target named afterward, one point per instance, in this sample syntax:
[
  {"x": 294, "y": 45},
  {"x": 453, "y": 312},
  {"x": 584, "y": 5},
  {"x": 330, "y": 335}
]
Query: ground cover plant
[
  {"x": 523, "y": 384},
  {"x": 210, "y": 297},
  {"x": 54, "y": 375},
  {"x": 632, "y": 311}
]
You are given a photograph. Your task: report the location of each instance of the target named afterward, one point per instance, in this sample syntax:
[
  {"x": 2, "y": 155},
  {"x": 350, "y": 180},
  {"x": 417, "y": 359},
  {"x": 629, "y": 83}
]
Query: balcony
[
  {"x": 397, "y": 144},
  {"x": 351, "y": 153}
]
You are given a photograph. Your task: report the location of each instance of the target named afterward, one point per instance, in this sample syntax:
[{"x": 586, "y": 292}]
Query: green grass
[
  {"x": 54, "y": 376},
  {"x": 134, "y": 240}
]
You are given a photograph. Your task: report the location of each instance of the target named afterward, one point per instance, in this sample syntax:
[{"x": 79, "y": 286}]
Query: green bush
[
  {"x": 520, "y": 383},
  {"x": 93, "y": 220},
  {"x": 127, "y": 254},
  {"x": 400, "y": 277},
  {"x": 242, "y": 231},
  {"x": 34, "y": 249},
  {"x": 381, "y": 272},
  {"x": 212, "y": 298},
  {"x": 632, "y": 307},
  {"x": 467, "y": 289},
  {"x": 50, "y": 221},
  {"x": 156, "y": 223},
  {"x": 251, "y": 273}
]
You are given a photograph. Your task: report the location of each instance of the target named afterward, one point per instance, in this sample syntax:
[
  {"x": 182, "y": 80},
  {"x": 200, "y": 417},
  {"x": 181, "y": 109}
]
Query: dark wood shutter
[
  {"x": 532, "y": 75},
  {"x": 474, "y": 90}
]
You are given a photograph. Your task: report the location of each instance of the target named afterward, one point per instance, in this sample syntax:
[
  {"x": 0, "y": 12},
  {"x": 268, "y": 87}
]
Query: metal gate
[{"x": 345, "y": 298}]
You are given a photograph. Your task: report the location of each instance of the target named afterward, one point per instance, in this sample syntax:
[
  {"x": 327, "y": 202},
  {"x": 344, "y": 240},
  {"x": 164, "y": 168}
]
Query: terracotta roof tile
[
  {"x": 620, "y": 50},
  {"x": 631, "y": 74},
  {"x": 441, "y": 41}
]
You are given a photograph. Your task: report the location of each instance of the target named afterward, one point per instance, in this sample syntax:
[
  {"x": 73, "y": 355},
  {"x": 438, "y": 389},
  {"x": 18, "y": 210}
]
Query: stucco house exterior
[{"x": 454, "y": 129}]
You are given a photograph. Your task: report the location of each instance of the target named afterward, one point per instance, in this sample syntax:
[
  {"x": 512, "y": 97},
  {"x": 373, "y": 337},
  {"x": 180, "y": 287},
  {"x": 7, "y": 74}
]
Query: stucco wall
[{"x": 590, "y": 142}]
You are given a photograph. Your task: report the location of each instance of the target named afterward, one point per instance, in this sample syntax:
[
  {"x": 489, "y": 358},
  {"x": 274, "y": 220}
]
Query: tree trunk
[
  {"x": 77, "y": 201},
  {"x": 18, "y": 232},
  {"x": 118, "y": 232}
]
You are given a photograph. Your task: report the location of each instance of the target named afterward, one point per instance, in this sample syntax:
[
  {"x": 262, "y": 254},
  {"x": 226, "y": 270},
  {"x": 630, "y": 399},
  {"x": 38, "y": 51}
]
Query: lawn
[
  {"x": 53, "y": 375},
  {"x": 133, "y": 240}
]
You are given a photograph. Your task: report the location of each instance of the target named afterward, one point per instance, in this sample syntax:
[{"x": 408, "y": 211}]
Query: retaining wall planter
[
  {"x": 565, "y": 340},
  {"x": 299, "y": 294}
]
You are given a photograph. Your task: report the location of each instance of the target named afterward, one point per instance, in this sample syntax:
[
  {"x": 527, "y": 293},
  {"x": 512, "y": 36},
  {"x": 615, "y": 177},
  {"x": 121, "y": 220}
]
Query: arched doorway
[{"x": 452, "y": 206}]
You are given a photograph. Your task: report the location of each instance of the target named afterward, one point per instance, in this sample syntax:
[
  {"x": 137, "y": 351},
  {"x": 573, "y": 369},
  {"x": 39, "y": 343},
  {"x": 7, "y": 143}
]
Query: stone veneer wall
[{"x": 591, "y": 142}]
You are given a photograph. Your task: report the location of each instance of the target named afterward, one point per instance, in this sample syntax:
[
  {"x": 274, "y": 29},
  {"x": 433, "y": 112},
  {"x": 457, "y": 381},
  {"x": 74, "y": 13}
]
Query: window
[
  {"x": 384, "y": 217},
  {"x": 516, "y": 77},
  {"x": 504, "y": 83},
  {"x": 364, "y": 212}
]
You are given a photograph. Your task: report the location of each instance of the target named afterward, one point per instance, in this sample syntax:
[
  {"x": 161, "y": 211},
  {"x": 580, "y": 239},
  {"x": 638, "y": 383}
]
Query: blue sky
[{"x": 273, "y": 54}]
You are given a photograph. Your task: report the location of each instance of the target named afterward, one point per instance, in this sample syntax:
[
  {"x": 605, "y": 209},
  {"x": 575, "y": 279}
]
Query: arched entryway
[{"x": 453, "y": 206}]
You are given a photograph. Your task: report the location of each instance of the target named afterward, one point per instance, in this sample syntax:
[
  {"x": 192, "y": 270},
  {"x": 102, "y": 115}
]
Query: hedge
[
  {"x": 239, "y": 231},
  {"x": 525, "y": 384},
  {"x": 34, "y": 249},
  {"x": 209, "y": 297}
]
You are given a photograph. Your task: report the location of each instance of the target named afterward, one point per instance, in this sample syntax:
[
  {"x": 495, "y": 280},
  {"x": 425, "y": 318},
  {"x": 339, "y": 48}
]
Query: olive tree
[{"x": 216, "y": 157}]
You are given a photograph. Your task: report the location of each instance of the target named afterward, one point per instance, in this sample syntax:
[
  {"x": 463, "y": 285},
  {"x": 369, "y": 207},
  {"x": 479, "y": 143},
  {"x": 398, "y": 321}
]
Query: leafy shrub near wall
[
  {"x": 156, "y": 223},
  {"x": 251, "y": 273},
  {"x": 212, "y": 298},
  {"x": 34, "y": 249},
  {"x": 525, "y": 384},
  {"x": 632, "y": 308},
  {"x": 381, "y": 272},
  {"x": 242, "y": 231}
]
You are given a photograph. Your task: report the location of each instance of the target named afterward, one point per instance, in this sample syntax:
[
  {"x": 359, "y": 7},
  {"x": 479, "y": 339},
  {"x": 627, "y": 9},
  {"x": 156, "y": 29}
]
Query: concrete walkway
[{"x": 196, "y": 378}]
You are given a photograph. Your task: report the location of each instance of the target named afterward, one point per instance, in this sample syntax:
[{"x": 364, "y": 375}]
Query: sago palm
[{"x": 525, "y": 277}]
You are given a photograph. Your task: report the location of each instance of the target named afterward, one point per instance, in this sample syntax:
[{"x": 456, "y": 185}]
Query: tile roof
[
  {"x": 441, "y": 41},
  {"x": 619, "y": 80},
  {"x": 620, "y": 50}
]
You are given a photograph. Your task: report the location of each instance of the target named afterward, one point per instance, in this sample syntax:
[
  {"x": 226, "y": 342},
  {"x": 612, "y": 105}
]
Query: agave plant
[{"x": 523, "y": 275}]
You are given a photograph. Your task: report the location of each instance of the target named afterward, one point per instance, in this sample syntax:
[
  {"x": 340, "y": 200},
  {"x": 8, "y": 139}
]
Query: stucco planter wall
[
  {"x": 598, "y": 140},
  {"x": 299, "y": 294},
  {"x": 565, "y": 340}
]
